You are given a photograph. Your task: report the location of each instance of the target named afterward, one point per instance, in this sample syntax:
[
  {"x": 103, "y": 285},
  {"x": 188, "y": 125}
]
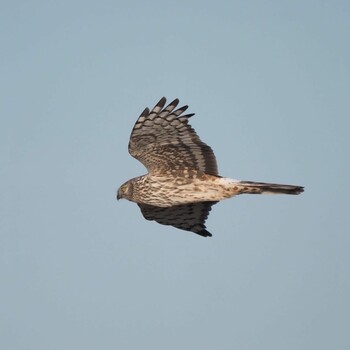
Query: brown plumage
[{"x": 182, "y": 183}]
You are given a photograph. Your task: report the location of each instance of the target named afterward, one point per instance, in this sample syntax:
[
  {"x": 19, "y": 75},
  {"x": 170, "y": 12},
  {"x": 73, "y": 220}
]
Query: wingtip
[
  {"x": 204, "y": 233},
  {"x": 145, "y": 112},
  {"x": 161, "y": 102},
  {"x": 173, "y": 104}
]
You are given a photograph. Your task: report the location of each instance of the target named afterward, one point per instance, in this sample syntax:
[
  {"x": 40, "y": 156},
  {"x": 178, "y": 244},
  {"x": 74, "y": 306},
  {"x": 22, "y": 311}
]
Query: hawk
[{"x": 182, "y": 183}]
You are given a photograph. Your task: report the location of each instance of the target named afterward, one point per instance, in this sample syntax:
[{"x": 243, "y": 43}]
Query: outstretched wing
[
  {"x": 188, "y": 217},
  {"x": 163, "y": 141}
]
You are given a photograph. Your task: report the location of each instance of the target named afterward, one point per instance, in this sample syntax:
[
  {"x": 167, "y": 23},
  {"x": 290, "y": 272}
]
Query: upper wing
[
  {"x": 163, "y": 141},
  {"x": 188, "y": 217}
]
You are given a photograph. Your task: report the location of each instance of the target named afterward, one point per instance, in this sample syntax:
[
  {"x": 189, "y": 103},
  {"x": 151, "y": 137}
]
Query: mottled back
[{"x": 164, "y": 142}]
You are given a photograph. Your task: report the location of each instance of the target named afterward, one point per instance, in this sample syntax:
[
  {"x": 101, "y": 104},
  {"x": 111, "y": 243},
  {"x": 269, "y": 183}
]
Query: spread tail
[{"x": 267, "y": 188}]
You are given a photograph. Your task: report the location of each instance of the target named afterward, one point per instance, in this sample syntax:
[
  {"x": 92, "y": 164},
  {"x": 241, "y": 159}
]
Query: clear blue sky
[{"x": 269, "y": 83}]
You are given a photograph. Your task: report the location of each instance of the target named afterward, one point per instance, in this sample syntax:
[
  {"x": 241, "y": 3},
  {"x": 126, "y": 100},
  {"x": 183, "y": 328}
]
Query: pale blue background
[{"x": 269, "y": 83}]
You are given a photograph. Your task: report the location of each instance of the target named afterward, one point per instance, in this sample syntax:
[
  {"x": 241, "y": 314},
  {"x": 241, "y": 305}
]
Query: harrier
[{"x": 182, "y": 183}]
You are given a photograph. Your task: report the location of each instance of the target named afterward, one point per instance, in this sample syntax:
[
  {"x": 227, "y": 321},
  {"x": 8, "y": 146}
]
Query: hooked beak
[{"x": 118, "y": 196}]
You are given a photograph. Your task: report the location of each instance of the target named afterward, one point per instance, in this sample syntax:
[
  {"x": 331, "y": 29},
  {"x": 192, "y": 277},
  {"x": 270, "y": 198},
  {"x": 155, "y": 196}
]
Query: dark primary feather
[
  {"x": 163, "y": 141},
  {"x": 188, "y": 217}
]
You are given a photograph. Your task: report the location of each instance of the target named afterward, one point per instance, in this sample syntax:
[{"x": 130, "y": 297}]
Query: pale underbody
[{"x": 166, "y": 191}]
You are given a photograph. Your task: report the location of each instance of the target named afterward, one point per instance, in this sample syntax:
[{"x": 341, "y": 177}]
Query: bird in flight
[{"x": 182, "y": 183}]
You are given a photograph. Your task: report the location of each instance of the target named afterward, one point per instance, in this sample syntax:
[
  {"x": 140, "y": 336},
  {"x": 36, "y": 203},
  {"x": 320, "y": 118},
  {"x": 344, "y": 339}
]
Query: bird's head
[{"x": 125, "y": 190}]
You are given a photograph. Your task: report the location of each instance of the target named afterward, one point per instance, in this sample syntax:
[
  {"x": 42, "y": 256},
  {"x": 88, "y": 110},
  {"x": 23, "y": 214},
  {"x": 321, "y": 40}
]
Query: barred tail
[{"x": 267, "y": 188}]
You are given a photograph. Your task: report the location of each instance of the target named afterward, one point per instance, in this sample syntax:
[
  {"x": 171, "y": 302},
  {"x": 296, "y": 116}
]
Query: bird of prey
[{"x": 182, "y": 183}]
